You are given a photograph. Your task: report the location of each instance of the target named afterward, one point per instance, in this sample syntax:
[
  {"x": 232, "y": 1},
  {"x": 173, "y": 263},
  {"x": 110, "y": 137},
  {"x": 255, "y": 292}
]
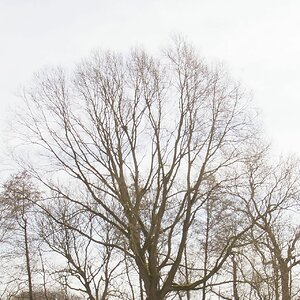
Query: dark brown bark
[
  {"x": 285, "y": 289},
  {"x": 153, "y": 294}
]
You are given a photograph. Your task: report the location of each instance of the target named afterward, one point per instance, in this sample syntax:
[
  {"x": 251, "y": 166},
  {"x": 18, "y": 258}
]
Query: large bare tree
[{"x": 147, "y": 142}]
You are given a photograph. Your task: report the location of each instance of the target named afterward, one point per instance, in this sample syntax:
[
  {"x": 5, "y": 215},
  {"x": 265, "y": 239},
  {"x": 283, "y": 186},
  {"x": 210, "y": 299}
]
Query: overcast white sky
[{"x": 258, "y": 40}]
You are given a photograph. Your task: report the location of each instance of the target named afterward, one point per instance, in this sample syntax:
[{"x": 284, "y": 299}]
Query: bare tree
[
  {"x": 18, "y": 196},
  {"x": 87, "y": 267},
  {"x": 270, "y": 251},
  {"x": 142, "y": 137}
]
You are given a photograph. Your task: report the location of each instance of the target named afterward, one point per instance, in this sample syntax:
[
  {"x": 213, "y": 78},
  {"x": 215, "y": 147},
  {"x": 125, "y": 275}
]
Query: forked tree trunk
[{"x": 152, "y": 290}]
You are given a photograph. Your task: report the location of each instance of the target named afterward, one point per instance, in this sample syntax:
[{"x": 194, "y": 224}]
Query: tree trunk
[
  {"x": 152, "y": 290},
  {"x": 28, "y": 268},
  {"x": 234, "y": 271},
  {"x": 285, "y": 283},
  {"x": 154, "y": 295}
]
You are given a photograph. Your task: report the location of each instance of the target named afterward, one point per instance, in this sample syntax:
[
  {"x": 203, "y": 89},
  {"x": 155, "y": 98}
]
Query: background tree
[
  {"x": 270, "y": 252},
  {"x": 17, "y": 199},
  {"x": 87, "y": 267}
]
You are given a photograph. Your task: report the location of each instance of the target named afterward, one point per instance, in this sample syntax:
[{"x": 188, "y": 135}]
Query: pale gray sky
[{"x": 258, "y": 40}]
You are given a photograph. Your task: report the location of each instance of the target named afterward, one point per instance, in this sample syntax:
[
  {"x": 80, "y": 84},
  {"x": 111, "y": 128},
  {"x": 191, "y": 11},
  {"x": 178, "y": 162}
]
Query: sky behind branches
[{"x": 258, "y": 41}]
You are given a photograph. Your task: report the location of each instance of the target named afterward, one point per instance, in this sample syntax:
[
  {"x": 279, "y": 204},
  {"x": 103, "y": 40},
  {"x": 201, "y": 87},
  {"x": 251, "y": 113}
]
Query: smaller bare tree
[
  {"x": 18, "y": 197},
  {"x": 89, "y": 264},
  {"x": 269, "y": 197}
]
